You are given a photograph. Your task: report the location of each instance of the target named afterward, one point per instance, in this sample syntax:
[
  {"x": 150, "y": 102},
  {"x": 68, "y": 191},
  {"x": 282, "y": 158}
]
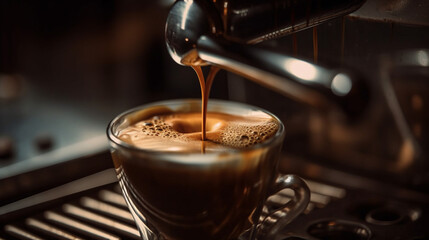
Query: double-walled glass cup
[{"x": 204, "y": 196}]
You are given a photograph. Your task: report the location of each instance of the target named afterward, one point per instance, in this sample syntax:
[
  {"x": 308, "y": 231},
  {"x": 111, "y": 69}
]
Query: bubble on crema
[
  {"x": 156, "y": 127},
  {"x": 222, "y": 130},
  {"x": 245, "y": 134}
]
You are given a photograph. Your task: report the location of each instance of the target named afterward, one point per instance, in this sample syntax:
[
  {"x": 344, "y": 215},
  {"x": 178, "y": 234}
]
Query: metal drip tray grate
[
  {"x": 101, "y": 213},
  {"x": 96, "y": 214}
]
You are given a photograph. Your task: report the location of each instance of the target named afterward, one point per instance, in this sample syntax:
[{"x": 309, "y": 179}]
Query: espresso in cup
[
  {"x": 181, "y": 132},
  {"x": 179, "y": 187}
]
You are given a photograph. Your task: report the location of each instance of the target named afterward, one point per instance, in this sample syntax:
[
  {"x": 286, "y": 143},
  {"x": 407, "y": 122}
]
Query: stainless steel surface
[
  {"x": 82, "y": 148},
  {"x": 412, "y": 152},
  {"x": 243, "y": 22},
  {"x": 395, "y": 11},
  {"x": 49, "y": 229},
  {"x": 26, "y": 181},
  {"x": 256, "y": 21},
  {"x": 79, "y": 227},
  {"x": 302, "y": 80},
  {"x": 194, "y": 37},
  {"x": 187, "y": 21},
  {"x": 371, "y": 144},
  {"x": 99, "y": 212},
  {"x": 82, "y": 184},
  {"x": 100, "y": 220}
]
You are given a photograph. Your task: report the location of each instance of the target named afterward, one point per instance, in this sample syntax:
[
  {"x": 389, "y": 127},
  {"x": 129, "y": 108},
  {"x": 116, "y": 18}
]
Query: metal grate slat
[
  {"x": 103, "y": 214},
  {"x": 50, "y": 230},
  {"x": 101, "y": 220},
  {"x": 107, "y": 209},
  {"x": 112, "y": 197},
  {"x": 79, "y": 227},
  {"x": 21, "y": 234}
]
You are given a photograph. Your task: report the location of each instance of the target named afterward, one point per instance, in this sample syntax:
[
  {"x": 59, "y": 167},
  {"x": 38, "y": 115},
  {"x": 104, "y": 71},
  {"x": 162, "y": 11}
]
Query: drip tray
[
  {"x": 338, "y": 230},
  {"x": 362, "y": 216},
  {"x": 93, "y": 208},
  {"x": 96, "y": 213}
]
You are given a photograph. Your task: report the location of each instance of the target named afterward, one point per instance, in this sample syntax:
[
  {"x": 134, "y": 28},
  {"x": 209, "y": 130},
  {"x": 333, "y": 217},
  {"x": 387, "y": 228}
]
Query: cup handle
[{"x": 283, "y": 215}]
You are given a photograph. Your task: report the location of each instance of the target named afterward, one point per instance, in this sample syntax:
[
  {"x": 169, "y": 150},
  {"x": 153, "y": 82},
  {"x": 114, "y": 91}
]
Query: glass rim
[{"x": 278, "y": 136}]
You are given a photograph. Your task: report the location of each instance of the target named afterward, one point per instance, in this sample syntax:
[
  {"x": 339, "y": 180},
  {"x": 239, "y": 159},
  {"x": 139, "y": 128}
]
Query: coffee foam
[
  {"x": 181, "y": 132},
  {"x": 242, "y": 134}
]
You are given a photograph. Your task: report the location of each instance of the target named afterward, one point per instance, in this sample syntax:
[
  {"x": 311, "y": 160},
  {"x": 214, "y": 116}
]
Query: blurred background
[{"x": 68, "y": 67}]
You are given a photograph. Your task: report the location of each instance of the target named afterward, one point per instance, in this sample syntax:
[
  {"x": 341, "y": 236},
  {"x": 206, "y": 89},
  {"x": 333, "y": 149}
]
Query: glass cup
[{"x": 204, "y": 196}]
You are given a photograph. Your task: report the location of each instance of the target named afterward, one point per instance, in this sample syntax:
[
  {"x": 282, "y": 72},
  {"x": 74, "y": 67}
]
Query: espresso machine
[
  {"x": 347, "y": 78},
  {"x": 358, "y": 121},
  {"x": 225, "y": 33}
]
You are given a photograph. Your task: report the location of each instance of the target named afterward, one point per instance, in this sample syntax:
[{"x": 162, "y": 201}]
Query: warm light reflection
[
  {"x": 185, "y": 13},
  {"x": 423, "y": 58},
  {"x": 301, "y": 69},
  {"x": 174, "y": 149},
  {"x": 34, "y": 223},
  {"x": 60, "y": 219},
  {"x": 341, "y": 84},
  {"x": 112, "y": 197},
  {"x": 106, "y": 208},
  {"x": 99, "y": 219}
]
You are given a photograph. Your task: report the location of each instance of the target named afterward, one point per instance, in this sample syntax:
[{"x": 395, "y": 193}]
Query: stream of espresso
[
  {"x": 205, "y": 92},
  {"x": 199, "y": 131},
  {"x": 182, "y": 193}
]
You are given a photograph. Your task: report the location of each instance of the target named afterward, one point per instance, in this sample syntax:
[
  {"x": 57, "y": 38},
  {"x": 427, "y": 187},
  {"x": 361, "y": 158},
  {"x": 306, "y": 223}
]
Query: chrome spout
[
  {"x": 301, "y": 80},
  {"x": 197, "y": 33},
  {"x": 243, "y": 21}
]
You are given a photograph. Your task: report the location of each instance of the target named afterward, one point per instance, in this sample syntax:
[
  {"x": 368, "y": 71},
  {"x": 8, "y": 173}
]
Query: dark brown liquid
[
  {"x": 198, "y": 196},
  {"x": 217, "y": 200},
  {"x": 193, "y": 196}
]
